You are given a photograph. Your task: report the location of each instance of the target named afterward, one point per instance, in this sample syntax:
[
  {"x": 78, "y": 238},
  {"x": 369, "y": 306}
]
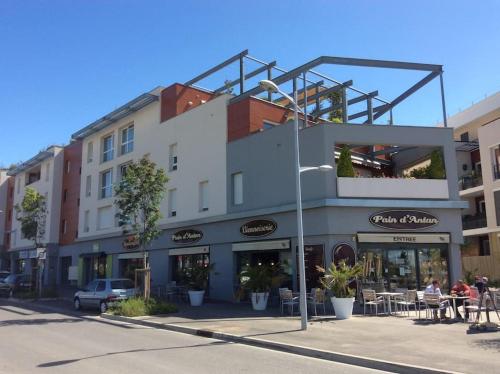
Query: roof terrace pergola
[{"x": 323, "y": 85}]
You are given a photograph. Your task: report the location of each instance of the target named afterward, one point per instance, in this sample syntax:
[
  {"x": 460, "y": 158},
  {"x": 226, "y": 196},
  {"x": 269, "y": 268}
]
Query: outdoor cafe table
[
  {"x": 455, "y": 298},
  {"x": 387, "y": 296}
]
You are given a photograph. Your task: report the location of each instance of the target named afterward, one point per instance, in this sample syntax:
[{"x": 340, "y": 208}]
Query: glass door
[
  {"x": 433, "y": 264},
  {"x": 400, "y": 269}
]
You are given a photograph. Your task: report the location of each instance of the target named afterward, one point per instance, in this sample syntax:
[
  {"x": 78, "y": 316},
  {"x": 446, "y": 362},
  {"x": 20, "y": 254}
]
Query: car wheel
[
  {"x": 76, "y": 304},
  {"x": 103, "y": 307}
]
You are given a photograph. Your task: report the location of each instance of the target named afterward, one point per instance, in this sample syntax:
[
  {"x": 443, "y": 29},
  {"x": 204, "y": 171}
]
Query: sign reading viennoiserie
[
  {"x": 403, "y": 219},
  {"x": 258, "y": 227},
  {"x": 187, "y": 236}
]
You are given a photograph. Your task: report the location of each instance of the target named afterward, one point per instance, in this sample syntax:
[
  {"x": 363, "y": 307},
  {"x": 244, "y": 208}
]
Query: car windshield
[{"x": 122, "y": 284}]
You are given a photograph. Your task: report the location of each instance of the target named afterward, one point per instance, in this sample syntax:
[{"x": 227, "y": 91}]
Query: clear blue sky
[{"x": 63, "y": 64}]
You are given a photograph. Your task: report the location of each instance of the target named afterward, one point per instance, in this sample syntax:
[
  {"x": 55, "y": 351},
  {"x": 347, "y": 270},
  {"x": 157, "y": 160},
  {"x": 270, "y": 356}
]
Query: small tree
[
  {"x": 335, "y": 98},
  {"x": 138, "y": 198},
  {"x": 344, "y": 166},
  {"x": 32, "y": 213},
  {"x": 436, "y": 167}
]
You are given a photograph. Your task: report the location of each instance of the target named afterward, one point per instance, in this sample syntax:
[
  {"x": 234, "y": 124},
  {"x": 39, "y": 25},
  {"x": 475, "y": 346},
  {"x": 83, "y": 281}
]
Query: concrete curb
[{"x": 394, "y": 367}]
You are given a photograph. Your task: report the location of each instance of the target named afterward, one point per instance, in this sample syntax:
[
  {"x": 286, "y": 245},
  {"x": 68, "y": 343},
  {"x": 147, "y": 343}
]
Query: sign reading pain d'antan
[
  {"x": 259, "y": 227},
  {"x": 187, "y": 236},
  {"x": 403, "y": 219}
]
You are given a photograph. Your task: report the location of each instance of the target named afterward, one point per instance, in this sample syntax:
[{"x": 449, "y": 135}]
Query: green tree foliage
[
  {"x": 335, "y": 98},
  {"x": 344, "y": 166},
  {"x": 32, "y": 213},
  {"x": 337, "y": 278},
  {"x": 436, "y": 168},
  {"x": 138, "y": 198}
]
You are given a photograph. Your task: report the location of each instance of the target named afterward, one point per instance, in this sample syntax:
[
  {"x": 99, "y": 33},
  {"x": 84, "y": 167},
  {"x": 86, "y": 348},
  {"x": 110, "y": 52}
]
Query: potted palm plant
[
  {"x": 337, "y": 279},
  {"x": 259, "y": 280},
  {"x": 196, "y": 279}
]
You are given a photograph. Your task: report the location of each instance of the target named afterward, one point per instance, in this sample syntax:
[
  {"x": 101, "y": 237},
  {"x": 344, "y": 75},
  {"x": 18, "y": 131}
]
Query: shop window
[
  {"x": 127, "y": 267},
  {"x": 127, "y": 140},
  {"x": 237, "y": 182},
  {"x": 203, "y": 196},
  {"x": 183, "y": 262}
]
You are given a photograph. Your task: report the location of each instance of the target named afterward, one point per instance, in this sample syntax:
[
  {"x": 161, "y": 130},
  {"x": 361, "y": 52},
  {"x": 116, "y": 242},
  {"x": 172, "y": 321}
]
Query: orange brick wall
[
  {"x": 178, "y": 99},
  {"x": 71, "y": 184}
]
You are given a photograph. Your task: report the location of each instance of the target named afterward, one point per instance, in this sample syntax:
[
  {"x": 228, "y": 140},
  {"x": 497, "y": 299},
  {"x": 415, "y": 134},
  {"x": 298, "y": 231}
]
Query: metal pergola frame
[{"x": 322, "y": 89}]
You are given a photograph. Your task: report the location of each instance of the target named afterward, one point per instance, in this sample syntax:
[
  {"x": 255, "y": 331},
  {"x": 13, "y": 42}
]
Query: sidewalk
[{"x": 444, "y": 346}]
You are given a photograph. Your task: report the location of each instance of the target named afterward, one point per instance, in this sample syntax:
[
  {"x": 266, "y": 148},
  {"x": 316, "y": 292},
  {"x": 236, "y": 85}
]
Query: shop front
[
  {"x": 128, "y": 263},
  {"x": 403, "y": 260},
  {"x": 94, "y": 266},
  {"x": 185, "y": 258}
]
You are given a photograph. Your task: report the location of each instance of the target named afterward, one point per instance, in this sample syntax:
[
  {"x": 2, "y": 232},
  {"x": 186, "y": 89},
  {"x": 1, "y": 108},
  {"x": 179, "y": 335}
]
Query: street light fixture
[{"x": 273, "y": 88}]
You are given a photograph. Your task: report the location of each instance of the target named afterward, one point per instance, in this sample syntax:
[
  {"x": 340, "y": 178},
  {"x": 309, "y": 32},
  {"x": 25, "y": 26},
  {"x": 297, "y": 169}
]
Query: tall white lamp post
[{"x": 272, "y": 87}]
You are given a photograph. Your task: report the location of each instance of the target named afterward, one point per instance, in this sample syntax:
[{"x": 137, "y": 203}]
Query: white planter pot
[
  {"x": 196, "y": 297},
  {"x": 343, "y": 307},
  {"x": 259, "y": 300}
]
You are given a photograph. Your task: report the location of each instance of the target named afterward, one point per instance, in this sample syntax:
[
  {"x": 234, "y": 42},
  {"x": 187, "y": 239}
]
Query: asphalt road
[{"x": 35, "y": 340}]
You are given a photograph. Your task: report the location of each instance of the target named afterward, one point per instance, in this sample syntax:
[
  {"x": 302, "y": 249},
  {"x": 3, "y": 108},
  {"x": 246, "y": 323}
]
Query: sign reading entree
[{"x": 403, "y": 219}]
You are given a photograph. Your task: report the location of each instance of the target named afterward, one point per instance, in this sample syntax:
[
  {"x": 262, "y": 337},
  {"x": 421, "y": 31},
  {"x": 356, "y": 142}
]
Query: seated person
[
  {"x": 433, "y": 288},
  {"x": 461, "y": 289}
]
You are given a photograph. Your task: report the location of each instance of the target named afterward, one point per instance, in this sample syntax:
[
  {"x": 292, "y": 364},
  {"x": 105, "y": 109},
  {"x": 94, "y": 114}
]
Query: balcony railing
[
  {"x": 474, "y": 222},
  {"x": 470, "y": 182}
]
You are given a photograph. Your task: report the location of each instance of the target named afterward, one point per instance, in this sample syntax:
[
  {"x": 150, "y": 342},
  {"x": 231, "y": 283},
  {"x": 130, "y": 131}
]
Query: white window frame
[
  {"x": 109, "y": 187},
  {"x": 173, "y": 158},
  {"x": 203, "y": 196},
  {"x": 90, "y": 152},
  {"x": 86, "y": 220},
  {"x": 88, "y": 186},
  {"x": 237, "y": 188},
  {"x": 127, "y": 145},
  {"x": 120, "y": 169},
  {"x": 110, "y": 151},
  {"x": 172, "y": 202}
]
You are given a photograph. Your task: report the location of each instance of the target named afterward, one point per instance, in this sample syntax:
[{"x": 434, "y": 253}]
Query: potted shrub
[
  {"x": 259, "y": 280},
  {"x": 196, "y": 279},
  {"x": 337, "y": 279}
]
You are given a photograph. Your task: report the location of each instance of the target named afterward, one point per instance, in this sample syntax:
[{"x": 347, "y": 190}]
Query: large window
[
  {"x": 172, "y": 202},
  {"x": 496, "y": 162},
  {"x": 90, "y": 152},
  {"x": 107, "y": 148},
  {"x": 127, "y": 140},
  {"x": 105, "y": 218},
  {"x": 106, "y": 184},
  {"x": 237, "y": 181},
  {"x": 203, "y": 192},
  {"x": 86, "y": 218},
  {"x": 88, "y": 185}
]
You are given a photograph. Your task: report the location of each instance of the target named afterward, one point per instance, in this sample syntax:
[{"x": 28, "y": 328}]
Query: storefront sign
[
  {"x": 259, "y": 227},
  {"x": 187, "y": 236},
  {"x": 131, "y": 242},
  {"x": 403, "y": 219},
  {"x": 407, "y": 238}
]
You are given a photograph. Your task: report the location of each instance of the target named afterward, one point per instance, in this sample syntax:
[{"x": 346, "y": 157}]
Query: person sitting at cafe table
[
  {"x": 460, "y": 289},
  {"x": 433, "y": 288}
]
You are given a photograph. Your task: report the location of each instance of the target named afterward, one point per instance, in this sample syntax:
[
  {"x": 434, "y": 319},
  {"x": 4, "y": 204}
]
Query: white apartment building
[
  {"x": 43, "y": 173},
  {"x": 477, "y": 132}
]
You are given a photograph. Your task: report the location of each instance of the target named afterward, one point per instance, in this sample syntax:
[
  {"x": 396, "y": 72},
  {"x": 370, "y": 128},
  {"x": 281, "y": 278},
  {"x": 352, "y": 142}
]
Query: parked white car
[{"x": 103, "y": 293}]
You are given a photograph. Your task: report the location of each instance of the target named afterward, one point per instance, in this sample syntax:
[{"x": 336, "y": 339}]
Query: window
[
  {"x": 123, "y": 170},
  {"x": 90, "y": 152},
  {"x": 107, "y": 148},
  {"x": 68, "y": 166},
  {"x": 173, "y": 157},
  {"x": 106, "y": 184},
  {"x": 18, "y": 185},
  {"x": 464, "y": 137},
  {"x": 86, "y": 216},
  {"x": 65, "y": 195},
  {"x": 88, "y": 185},
  {"x": 172, "y": 203},
  {"x": 484, "y": 246},
  {"x": 64, "y": 226},
  {"x": 47, "y": 172},
  {"x": 105, "y": 218},
  {"x": 127, "y": 140},
  {"x": 496, "y": 199},
  {"x": 496, "y": 162},
  {"x": 237, "y": 179},
  {"x": 203, "y": 196},
  {"x": 101, "y": 286}
]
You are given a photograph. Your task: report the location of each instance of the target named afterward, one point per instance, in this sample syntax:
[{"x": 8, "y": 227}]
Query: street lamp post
[{"x": 272, "y": 87}]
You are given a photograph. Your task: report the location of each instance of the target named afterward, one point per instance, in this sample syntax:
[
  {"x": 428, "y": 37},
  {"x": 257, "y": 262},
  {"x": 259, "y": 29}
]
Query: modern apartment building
[
  {"x": 477, "y": 132},
  {"x": 230, "y": 197},
  {"x": 6, "y": 193}
]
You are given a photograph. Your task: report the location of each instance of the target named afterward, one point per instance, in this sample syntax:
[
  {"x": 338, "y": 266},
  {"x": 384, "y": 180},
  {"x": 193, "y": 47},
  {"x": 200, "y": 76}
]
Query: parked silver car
[{"x": 103, "y": 293}]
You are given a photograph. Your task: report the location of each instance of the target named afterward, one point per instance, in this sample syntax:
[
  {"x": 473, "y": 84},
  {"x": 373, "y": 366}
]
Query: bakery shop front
[{"x": 409, "y": 258}]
